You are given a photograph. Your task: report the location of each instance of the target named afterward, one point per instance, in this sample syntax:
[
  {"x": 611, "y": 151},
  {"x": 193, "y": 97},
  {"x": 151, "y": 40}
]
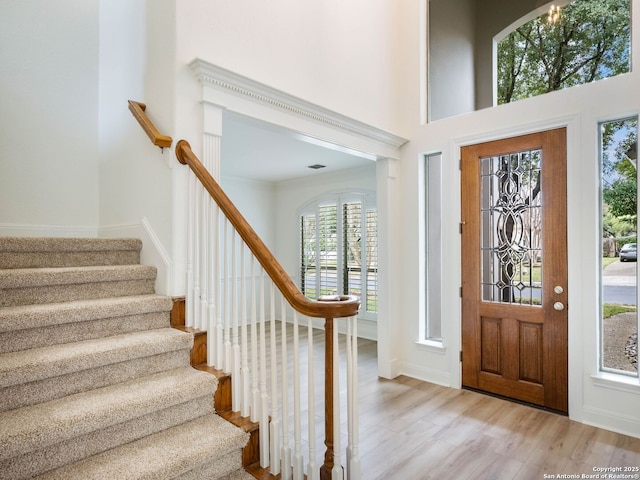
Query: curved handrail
[
  {"x": 328, "y": 307},
  {"x": 159, "y": 140}
]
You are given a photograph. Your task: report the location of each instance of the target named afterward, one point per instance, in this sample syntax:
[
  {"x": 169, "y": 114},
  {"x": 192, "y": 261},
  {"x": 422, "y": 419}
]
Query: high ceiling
[{"x": 256, "y": 150}]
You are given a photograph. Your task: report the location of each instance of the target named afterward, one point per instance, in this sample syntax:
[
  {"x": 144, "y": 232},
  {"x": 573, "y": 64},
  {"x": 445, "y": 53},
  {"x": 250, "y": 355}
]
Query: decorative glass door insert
[{"x": 511, "y": 226}]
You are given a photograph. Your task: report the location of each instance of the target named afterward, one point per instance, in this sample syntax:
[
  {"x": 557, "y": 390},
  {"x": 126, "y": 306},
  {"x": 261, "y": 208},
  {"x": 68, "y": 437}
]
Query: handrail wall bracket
[{"x": 138, "y": 111}]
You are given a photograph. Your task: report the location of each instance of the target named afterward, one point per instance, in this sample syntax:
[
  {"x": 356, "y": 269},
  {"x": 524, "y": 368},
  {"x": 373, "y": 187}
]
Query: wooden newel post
[{"x": 327, "y": 467}]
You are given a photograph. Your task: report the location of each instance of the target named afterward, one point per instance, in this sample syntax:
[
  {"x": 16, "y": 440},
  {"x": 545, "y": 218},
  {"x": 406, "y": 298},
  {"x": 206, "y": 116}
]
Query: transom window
[
  {"x": 574, "y": 44},
  {"x": 339, "y": 249}
]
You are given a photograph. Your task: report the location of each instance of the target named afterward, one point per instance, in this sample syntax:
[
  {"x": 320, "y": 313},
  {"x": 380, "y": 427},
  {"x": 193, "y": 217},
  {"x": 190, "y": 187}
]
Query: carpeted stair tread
[
  {"x": 78, "y": 448},
  {"x": 165, "y": 455},
  {"x": 39, "y": 426},
  {"x": 54, "y": 285},
  {"x": 31, "y": 326},
  {"x": 22, "y": 317},
  {"x": 64, "y": 244},
  {"x": 45, "y": 362},
  {"x": 32, "y": 252},
  {"x": 36, "y": 277},
  {"x": 32, "y": 393}
]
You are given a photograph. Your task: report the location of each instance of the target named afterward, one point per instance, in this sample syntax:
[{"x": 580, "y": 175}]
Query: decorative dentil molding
[{"x": 220, "y": 78}]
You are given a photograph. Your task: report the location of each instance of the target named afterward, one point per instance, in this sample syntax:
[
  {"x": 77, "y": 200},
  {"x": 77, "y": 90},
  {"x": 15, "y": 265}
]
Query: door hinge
[
  {"x": 460, "y": 356},
  {"x": 461, "y": 224},
  {"x": 460, "y": 292},
  {"x": 459, "y": 164}
]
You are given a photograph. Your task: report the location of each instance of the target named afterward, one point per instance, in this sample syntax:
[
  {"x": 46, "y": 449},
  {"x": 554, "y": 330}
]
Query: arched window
[
  {"x": 339, "y": 249},
  {"x": 580, "y": 42}
]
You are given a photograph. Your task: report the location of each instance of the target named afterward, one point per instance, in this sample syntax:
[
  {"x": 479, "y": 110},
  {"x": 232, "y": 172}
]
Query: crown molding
[{"x": 210, "y": 75}]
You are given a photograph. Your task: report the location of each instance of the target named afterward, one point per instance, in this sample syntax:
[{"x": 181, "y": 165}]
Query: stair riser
[
  {"x": 75, "y": 449},
  {"x": 10, "y": 297},
  {"x": 215, "y": 469},
  {"x": 40, "y": 391},
  {"x": 67, "y": 259},
  {"x": 14, "y": 341}
]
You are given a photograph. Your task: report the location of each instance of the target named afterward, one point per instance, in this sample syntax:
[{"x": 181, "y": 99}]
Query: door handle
[{"x": 558, "y": 306}]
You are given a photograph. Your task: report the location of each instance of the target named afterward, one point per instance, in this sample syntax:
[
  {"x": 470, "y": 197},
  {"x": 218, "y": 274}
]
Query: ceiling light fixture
[
  {"x": 554, "y": 14},
  {"x": 316, "y": 166}
]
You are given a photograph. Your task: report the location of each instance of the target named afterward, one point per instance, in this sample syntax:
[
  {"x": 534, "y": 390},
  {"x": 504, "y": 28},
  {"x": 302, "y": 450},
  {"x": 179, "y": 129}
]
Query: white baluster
[
  {"x": 196, "y": 258},
  {"x": 204, "y": 262},
  {"x": 244, "y": 371},
  {"x": 227, "y": 305},
  {"x": 336, "y": 471},
  {"x": 286, "y": 449},
  {"x": 298, "y": 468},
  {"x": 190, "y": 300},
  {"x": 349, "y": 393},
  {"x": 353, "y": 455},
  {"x": 213, "y": 328},
  {"x": 255, "y": 367},
  {"x": 221, "y": 276},
  {"x": 211, "y": 153},
  {"x": 275, "y": 416},
  {"x": 264, "y": 397},
  {"x": 313, "y": 471},
  {"x": 235, "y": 337}
]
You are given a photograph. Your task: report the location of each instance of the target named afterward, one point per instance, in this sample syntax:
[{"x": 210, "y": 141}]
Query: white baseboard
[
  {"x": 388, "y": 370},
  {"x": 34, "y": 230},
  {"x": 613, "y": 421},
  {"x": 425, "y": 374},
  {"x": 153, "y": 253}
]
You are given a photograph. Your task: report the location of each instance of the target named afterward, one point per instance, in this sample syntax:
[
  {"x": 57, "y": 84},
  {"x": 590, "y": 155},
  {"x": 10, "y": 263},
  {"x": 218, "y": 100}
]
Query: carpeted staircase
[{"x": 94, "y": 384}]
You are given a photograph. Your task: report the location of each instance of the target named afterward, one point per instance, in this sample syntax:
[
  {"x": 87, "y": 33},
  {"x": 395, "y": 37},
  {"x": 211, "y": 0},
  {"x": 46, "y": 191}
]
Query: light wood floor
[{"x": 412, "y": 430}]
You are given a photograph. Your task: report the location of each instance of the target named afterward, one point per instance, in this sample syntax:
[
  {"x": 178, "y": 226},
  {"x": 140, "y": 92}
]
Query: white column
[
  {"x": 387, "y": 267},
  {"x": 211, "y": 320}
]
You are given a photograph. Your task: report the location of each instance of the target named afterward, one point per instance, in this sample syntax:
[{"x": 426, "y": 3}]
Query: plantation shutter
[{"x": 338, "y": 247}]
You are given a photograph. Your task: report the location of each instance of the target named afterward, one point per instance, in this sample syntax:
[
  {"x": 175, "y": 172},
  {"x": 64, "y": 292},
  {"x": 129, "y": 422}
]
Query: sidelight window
[{"x": 619, "y": 272}]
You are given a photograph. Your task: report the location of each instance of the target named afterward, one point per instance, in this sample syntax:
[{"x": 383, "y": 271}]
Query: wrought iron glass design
[{"x": 511, "y": 230}]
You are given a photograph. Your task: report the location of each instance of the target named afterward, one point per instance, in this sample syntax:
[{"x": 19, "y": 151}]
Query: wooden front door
[{"x": 514, "y": 268}]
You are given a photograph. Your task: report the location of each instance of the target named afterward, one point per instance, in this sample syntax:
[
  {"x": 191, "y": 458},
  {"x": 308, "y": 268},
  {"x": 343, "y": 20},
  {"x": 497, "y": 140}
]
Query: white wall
[
  {"x": 451, "y": 58},
  {"x": 593, "y": 398},
  {"x": 256, "y": 202},
  {"x": 136, "y": 63},
  {"x": 341, "y": 55},
  {"x": 48, "y": 117}
]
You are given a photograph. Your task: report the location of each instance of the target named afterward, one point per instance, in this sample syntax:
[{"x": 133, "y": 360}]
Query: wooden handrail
[
  {"x": 159, "y": 140},
  {"x": 332, "y": 307}
]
